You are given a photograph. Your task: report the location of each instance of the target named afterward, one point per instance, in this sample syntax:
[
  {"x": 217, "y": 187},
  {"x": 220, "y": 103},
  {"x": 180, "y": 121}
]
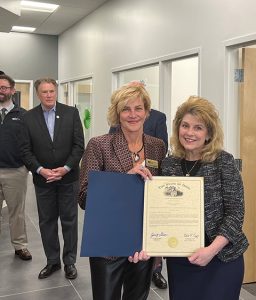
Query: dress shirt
[
  {"x": 8, "y": 108},
  {"x": 4, "y": 111},
  {"x": 49, "y": 116}
]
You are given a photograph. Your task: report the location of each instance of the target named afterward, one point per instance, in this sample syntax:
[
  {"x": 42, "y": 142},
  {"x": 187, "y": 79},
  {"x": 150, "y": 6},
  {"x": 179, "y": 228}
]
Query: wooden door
[
  {"x": 23, "y": 88},
  {"x": 248, "y": 156}
]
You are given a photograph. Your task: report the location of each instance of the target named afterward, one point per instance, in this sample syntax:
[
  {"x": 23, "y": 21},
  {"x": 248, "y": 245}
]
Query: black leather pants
[{"x": 110, "y": 276}]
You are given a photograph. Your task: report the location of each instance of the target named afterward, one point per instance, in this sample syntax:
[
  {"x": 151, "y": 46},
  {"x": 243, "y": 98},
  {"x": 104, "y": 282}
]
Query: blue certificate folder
[{"x": 113, "y": 219}]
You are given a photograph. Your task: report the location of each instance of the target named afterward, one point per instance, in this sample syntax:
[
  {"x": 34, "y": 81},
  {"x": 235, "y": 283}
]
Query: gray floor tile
[
  {"x": 251, "y": 288},
  {"x": 57, "y": 293}
]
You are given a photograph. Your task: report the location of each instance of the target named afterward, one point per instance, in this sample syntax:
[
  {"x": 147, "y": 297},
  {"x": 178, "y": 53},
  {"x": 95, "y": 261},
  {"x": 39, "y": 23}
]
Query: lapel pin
[{"x": 57, "y": 117}]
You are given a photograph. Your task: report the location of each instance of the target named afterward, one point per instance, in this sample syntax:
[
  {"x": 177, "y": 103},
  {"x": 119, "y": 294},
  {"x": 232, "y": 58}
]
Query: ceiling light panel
[
  {"x": 38, "y": 6},
  {"x": 23, "y": 29}
]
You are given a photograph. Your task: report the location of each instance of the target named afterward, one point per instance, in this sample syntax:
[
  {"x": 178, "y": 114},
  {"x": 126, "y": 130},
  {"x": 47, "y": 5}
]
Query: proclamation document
[{"x": 173, "y": 222}]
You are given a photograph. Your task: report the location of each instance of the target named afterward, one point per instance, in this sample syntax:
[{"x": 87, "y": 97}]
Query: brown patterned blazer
[{"x": 110, "y": 152}]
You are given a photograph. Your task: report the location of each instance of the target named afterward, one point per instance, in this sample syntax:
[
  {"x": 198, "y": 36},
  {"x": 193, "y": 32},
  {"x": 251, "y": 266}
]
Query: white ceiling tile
[{"x": 69, "y": 13}]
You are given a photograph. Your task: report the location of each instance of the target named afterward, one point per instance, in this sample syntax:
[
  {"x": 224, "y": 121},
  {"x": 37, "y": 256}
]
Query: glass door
[{"x": 82, "y": 100}]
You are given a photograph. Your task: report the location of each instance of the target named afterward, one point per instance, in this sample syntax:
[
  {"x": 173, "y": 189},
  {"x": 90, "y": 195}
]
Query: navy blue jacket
[{"x": 10, "y": 138}]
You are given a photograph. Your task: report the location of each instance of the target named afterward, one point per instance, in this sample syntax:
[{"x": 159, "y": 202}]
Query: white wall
[
  {"x": 123, "y": 32},
  {"x": 28, "y": 56}
]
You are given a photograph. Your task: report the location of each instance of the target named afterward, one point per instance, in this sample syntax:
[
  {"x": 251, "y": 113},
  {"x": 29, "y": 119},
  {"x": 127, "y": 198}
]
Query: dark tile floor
[{"x": 18, "y": 279}]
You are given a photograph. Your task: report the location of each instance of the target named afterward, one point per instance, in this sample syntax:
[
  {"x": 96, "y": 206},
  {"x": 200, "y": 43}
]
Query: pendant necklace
[
  {"x": 188, "y": 172},
  {"x": 136, "y": 155}
]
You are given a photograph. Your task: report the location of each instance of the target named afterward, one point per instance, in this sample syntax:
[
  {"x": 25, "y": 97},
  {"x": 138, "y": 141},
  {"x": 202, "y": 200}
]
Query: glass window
[
  {"x": 65, "y": 93},
  {"x": 149, "y": 75},
  {"x": 184, "y": 81},
  {"x": 82, "y": 100}
]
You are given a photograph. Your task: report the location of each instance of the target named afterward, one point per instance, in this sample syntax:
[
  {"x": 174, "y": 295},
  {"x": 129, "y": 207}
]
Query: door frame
[
  {"x": 231, "y": 115},
  {"x": 231, "y": 101}
]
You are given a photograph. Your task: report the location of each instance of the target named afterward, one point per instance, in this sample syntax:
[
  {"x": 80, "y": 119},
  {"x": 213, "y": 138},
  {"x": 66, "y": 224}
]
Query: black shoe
[
  {"x": 159, "y": 280},
  {"x": 48, "y": 270},
  {"x": 70, "y": 271}
]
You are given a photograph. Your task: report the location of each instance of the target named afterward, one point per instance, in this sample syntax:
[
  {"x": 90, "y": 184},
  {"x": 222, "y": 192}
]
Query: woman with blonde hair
[
  {"x": 128, "y": 150},
  {"x": 216, "y": 270}
]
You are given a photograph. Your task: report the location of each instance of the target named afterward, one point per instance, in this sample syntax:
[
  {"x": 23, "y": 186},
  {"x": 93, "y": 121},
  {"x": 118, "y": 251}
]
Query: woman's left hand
[
  {"x": 201, "y": 257},
  {"x": 204, "y": 255},
  {"x": 138, "y": 256}
]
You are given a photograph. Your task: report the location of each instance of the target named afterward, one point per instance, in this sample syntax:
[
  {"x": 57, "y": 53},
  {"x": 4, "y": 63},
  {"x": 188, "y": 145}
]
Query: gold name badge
[{"x": 152, "y": 163}]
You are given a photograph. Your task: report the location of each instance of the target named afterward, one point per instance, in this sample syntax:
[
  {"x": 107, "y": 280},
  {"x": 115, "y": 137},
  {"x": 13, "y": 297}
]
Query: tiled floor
[{"x": 18, "y": 279}]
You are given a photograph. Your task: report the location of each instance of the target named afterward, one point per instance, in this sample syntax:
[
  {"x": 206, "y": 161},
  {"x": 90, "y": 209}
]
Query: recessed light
[
  {"x": 23, "y": 29},
  {"x": 38, "y": 6}
]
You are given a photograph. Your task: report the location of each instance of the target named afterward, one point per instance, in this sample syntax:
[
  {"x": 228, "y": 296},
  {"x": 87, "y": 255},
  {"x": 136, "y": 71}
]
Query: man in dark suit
[
  {"x": 52, "y": 148},
  {"x": 155, "y": 125}
]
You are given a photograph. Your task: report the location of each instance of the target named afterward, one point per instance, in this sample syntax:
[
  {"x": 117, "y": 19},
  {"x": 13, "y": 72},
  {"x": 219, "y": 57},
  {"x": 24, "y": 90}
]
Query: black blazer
[{"x": 66, "y": 148}]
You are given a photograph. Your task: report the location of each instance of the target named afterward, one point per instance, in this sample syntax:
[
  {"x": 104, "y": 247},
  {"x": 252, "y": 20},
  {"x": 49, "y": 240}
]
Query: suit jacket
[
  {"x": 224, "y": 201},
  {"x": 67, "y": 146},
  {"x": 155, "y": 125},
  {"x": 110, "y": 152}
]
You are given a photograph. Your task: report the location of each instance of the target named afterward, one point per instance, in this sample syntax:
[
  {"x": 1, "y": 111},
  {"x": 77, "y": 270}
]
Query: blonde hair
[
  {"x": 206, "y": 112},
  {"x": 120, "y": 98}
]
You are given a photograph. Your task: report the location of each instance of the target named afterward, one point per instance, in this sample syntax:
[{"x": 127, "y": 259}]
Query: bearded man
[{"x": 13, "y": 173}]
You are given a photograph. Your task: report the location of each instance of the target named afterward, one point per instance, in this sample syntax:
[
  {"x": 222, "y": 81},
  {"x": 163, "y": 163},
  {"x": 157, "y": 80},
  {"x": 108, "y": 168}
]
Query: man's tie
[{"x": 3, "y": 114}]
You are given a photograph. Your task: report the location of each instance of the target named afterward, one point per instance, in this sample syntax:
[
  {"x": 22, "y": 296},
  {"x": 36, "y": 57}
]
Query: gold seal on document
[{"x": 172, "y": 242}]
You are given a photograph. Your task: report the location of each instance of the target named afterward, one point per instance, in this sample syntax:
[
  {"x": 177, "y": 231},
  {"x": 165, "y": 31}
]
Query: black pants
[
  {"x": 54, "y": 202},
  {"x": 110, "y": 276}
]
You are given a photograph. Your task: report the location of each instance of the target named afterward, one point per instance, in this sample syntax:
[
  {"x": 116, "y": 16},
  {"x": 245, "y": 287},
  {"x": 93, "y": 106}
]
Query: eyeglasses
[{"x": 4, "y": 88}]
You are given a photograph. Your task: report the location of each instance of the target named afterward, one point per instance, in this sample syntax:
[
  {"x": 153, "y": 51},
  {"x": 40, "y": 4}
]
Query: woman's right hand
[{"x": 141, "y": 170}]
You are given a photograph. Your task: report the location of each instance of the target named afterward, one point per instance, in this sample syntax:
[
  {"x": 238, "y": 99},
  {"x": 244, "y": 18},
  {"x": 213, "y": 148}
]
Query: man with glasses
[{"x": 13, "y": 173}]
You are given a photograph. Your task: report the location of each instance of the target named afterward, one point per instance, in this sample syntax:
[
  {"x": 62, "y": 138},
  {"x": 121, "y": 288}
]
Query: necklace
[
  {"x": 188, "y": 172},
  {"x": 135, "y": 155}
]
